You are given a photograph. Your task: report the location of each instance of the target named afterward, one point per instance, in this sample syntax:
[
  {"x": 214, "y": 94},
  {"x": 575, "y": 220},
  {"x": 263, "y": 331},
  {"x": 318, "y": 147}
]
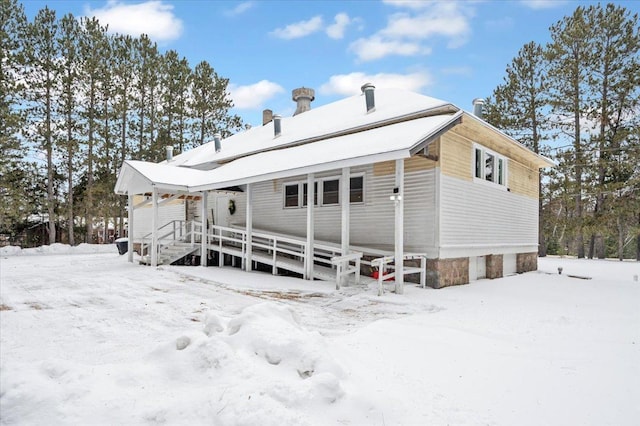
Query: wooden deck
[
  {"x": 277, "y": 250},
  {"x": 283, "y": 252}
]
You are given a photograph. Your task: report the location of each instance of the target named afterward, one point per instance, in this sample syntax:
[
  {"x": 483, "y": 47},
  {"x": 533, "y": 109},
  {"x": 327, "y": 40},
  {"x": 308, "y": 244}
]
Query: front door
[{"x": 221, "y": 216}]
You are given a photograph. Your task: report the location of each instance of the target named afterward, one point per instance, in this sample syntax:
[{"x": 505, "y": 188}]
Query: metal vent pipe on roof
[
  {"x": 303, "y": 96},
  {"x": 368, "y": 89},
  {"x": 277, "y": 125},
  {"x": 267, "y": 116},
  {"x": 478, "y": 107},
  {"x": 169, "y": 150},
  {"x": 216, "y": 141}
]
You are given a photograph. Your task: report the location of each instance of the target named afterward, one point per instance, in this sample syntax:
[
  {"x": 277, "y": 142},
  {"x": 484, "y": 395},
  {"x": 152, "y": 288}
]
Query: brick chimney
[{"x": 267, "y": 116}]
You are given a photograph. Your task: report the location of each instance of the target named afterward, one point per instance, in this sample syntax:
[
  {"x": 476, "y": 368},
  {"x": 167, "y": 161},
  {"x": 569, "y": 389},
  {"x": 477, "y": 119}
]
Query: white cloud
[
  {"x": 543, "y": 4},
  {"x": 375, "y": 47},
  {"x": 240, "y": 8},
  {"x": 349, "y": 84},
  {"x": 336, "y": 30},
  {"x": 446, "y": 19},
  {"x": 255, "y": 95},
  {"x": 154, "y": 18},
  {"x": 408, "y": 32},
  {"x": 299, "y": 29}
]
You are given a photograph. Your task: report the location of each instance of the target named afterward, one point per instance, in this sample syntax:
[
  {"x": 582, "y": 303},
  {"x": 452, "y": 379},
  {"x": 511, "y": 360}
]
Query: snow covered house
[{"x": 390, "y": 174}]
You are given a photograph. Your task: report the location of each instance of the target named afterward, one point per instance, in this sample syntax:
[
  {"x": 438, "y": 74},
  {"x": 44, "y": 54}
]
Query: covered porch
[
  {"x": 252, "y": 248},
  {"x": 303, "y": 254}
]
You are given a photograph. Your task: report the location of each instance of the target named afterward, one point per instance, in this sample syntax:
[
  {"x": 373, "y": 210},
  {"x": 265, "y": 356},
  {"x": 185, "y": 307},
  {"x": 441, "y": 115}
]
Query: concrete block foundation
[
  {"x": 526, "y": 262},
  {"x": 494, "y": 266}
]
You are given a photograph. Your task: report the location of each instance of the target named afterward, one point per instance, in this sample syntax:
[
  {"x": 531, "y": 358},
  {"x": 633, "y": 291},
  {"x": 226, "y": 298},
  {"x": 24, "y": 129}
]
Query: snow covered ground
[{"x": 87, "y": 338}]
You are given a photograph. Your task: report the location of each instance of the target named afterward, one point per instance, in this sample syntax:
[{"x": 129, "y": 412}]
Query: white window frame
[
  {"x": 320, "y": 191},
  {"x": 497, "y": 159},
  {"x": 316, "y": 193}
]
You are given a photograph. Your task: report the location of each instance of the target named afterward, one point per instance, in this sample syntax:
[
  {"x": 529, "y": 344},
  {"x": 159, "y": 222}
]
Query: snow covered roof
[
  {"x": 385, "y": 143},
  {"x": 346, "y": 115},
  {"x": 336, "y": 135}
]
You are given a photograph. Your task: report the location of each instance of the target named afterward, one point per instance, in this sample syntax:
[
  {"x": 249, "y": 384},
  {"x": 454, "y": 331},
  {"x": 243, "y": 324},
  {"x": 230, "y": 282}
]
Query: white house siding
[
  {"x": 479, "y": 219},
  {"x": 371, "y": 224},
  {"x": 143, "y": 217}
]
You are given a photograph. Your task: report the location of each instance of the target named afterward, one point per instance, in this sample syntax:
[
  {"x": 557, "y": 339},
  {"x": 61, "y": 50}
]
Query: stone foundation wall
[
  {"x": 494, "y": 266},
  {"x": 526, "y": 262},
  {"x": 447, "y": 272}
]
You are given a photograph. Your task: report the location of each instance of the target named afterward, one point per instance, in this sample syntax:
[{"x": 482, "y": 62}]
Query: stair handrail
[
  {"x": 384, "y": 263},
  {"x": 344, "y": 267}
]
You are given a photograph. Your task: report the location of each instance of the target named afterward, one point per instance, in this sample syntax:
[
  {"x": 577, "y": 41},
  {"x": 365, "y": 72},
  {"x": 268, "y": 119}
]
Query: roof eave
[{"x": 316, "y": 168}]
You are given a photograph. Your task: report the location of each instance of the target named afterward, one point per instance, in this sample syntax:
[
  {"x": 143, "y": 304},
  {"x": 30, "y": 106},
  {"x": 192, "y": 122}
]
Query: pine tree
[
  {"x": 147, "y": 62},
  {"x": 123, "y": 79},
  {"x": 70, "y": 78},
  {"x": 42, "y": 58},
  {"x": 569, "y": 53},
  {"x": 12, "y": 28},
  {"x": 519, "y": 107},
  {"x": 94, "y": 67},
  {"x": 614, "y": 81},
  {"x": 210, "y": 105}
]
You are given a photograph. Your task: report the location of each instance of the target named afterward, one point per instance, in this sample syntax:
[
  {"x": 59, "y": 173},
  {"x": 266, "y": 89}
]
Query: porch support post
[
  {"x": 399, "y": 227},
  {"x": 130, "y": 227},
  {"x": 204, "y": 248},
  {"x": 249, "y": 221},
  {"x": 310, "y": 231},
  {"x": 154, "y": 227},
  {"x": 345, "y": 195}
]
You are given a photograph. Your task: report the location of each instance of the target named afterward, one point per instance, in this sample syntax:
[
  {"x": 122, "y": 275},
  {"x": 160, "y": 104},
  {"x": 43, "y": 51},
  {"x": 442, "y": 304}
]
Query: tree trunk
[
  {"x": 49, "y": 145},
  {"x": 600, "y": 249},
  {"x": 638, "y": 241},
  {"x": 621, "y": 235},
  {"x": 70, "y": 181},
  {"x": 542, "y": 244},
  {"x": 89, "y": 211}
]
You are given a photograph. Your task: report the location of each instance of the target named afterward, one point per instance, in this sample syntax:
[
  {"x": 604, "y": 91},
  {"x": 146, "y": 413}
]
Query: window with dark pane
[
  {"x": 330, "y": 192},
  {"x": 356, "y": 191},
  {"x": 315, "y": 194},
  {"x": 478, "y": 163},
  {"x": 291, "y": 195}
]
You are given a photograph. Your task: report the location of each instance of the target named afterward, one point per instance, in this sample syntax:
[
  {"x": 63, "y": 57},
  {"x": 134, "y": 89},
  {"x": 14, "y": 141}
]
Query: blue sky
[{"x": 452, "y": 50}]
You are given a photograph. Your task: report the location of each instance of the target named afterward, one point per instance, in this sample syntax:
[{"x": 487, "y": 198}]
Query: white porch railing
[
  {"x": 173, "y": 231},
  {"x": 384, "y": 263},
  {"x": 269, "y": 248},
  {"x": 344, "y": 267},
  {"x": 281, "y": 251}
]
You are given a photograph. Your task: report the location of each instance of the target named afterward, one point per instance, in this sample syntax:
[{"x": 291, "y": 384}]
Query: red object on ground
[{"x": 376, "y": 274}]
